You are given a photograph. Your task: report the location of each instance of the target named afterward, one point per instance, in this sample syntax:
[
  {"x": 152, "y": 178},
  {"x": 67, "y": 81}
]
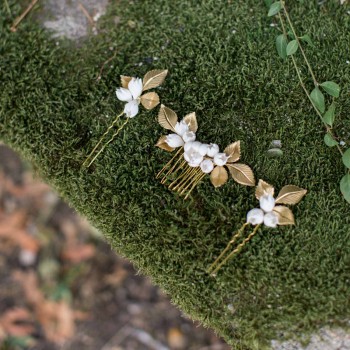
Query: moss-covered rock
[{"x": 223, "y": 65}]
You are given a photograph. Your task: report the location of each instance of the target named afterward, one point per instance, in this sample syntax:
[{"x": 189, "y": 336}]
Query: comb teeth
[{"x": 179, "y": 176}]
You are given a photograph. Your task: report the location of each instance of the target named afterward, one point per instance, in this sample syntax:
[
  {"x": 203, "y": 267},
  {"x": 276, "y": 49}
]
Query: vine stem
[
  {"x": 299, "y": 44},
  {"x": 329, "y": 130}
]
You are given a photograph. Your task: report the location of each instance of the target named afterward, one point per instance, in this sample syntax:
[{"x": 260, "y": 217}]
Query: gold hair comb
[{"x": 194, "y": 160}]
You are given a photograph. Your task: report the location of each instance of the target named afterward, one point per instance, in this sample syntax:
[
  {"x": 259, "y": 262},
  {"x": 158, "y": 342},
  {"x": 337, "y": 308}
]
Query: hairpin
[
  {"x": 131, "y": 93},
  {"x": 269, "y": 214},
  {"x": 194, "y": 160}
]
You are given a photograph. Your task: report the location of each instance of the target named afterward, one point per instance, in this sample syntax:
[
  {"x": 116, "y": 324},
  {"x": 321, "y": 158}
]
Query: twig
[
  {"x": 103, "y": 66},
  {"x": 19, "y": 19},
  {"x": 86, "y": 13}
]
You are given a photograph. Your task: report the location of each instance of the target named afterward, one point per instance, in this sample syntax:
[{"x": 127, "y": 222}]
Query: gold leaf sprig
[
  {"x": 269, "y": 214},
  {"x": 131, "y": 92},
  {"x": 194, "y": 159}
]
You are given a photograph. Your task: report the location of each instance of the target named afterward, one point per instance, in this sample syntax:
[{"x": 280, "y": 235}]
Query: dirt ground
[{"x": 61, "y": 286}]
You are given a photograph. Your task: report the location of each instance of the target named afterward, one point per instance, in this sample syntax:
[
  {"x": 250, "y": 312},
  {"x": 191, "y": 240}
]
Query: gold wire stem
[
  {"x": 174, "y": 169},
  {"x": 193, "y": 181},
  {"x": 102, "y": 137},
  {"x": 183, "y": 178},
  {"x": 195, "y": 184},
  {"x": 168, "y": 164},
  {"x": 238, "y": 248},
  {"x": 108, "y": 142},
  {"x": 185, "y": 172},
  {"x": 232, "y": 241}
]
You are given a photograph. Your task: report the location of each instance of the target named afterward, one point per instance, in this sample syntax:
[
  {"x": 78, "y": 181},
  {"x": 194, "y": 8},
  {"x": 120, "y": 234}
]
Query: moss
[{"x": 223, "y": 65}]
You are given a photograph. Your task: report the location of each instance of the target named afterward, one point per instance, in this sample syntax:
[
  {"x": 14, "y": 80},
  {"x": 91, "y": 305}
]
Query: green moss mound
[{"x": 223, "y": 65}]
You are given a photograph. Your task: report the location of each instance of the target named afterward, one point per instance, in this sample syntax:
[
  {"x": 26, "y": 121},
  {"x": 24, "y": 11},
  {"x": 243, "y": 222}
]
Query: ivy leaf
[
  {"x": 292, "y": 47},
  {"x": 329, "y": 116},
  {"x": 275, "y": 8},
  {"x": 329, "y": 140},
  {"x": 318, "y": 99},
  {"x": 281, "y": 46},
  {"x": 346, "y": 158},
  {"x": 307, "y": 39},
  {"x": 345, "y": 187},
  {"x": 331, "y": 88}
]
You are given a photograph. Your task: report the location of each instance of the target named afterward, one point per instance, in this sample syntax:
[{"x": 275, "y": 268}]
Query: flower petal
[
  {"x": 174, "y": 140},
  {"x": 270, "y": 219},
  {"x": 267, "y": 203},
  {"x": 207, "y": 166},
  {"x": 123, "y": 95},
  {"x": 135, "y": 87},
  {"x": 131, "y": 109},
  {"x": 255, "y": 216}
]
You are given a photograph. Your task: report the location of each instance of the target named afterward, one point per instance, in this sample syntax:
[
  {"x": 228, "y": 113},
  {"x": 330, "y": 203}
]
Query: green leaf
[
  {"x": 307, "y": 39},
  {"x": 281, "y": 46},
  {"x": 275, "y": 8},
  {"x": 318, "y": 99},
  {"x": 345, "y": 187},
  {"x": 329, "y": 116},
  {"x": 331, "y": 88},
  {"x": 292, "y": 47},
  {"x": 346, "y": 158},
  {"x": 329, "y": 141}
]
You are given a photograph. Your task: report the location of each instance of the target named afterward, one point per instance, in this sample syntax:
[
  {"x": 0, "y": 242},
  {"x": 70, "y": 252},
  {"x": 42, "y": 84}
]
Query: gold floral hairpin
[
  {"x": 131, "y": 93},
  {"x": 269, "y": 214},
  {"x": 194, "y": 160}
]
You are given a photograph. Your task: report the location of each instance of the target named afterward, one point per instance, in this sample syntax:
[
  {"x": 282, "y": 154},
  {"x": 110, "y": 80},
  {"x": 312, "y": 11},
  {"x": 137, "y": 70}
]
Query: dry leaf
[
  {"x": 154, "y": 78},
  {"x": 290, "y": 195},
  {"x": 233, "y": 151},
  {"x": 78, "y": 252},
  {"x": 167, "y": 118},
  {"x": 242, "y": 174},
  {"x": 125, "y": 81},
  {"x": 150, "y": 100},
  {"x": 264, "y": 188},
  {"x": 191, "y": 121},
  {"x": 218, "y": 176},
  {"x": 284, "y": 214},
  {"x": 15, "y": 322},
  {"x": 163, "y": 145}
]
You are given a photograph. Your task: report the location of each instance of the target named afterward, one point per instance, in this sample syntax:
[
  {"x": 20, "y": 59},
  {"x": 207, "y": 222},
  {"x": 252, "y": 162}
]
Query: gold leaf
[
  {"x": 218, "y": 176},
  {"x": 233, "y": 151},
  {"x": 154, "y": 78},
  {"x": 284, "y": 214},
  {"x": 167, "y": 118},
  {"x": 150, "y": 100},
  {"x": 290, "y": 195},
  {"x": 191, "y": 121},
  {"x": 264, "y": 188},
  {"x": 242, "y": 174},
  {"x": 125, "y": 81},
  {"x": 163, "y": 145}
]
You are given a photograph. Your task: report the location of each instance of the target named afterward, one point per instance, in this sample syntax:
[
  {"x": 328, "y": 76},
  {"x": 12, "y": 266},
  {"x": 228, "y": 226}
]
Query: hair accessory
[
  {"x": 194, "y": 160},
  {"x": 131, "y": 93},
  {"x": 269, "y": 214}
]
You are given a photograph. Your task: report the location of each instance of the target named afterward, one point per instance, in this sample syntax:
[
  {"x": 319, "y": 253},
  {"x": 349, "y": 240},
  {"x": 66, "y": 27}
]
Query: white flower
[
  {"x": 189, "y": 136},
  {"x": 131, "y": 95},
  {"x": 195, "y": 145},
  {"x": 213, "y": 149},
  {"x": 207, "y": 166},
  {"x": 220, "y": 159},
  {"x": 267, "y": 203},
  {"x": 203, "y": 148},
  {"x": 270, "y": 219},
  {"x": 131, "y": 109},
  {"x": 192, "y": 156},
  {"x": 181, "y": 128},
  {"x": 255, "y": 216},
  {"x": 174, "y": 140}
]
